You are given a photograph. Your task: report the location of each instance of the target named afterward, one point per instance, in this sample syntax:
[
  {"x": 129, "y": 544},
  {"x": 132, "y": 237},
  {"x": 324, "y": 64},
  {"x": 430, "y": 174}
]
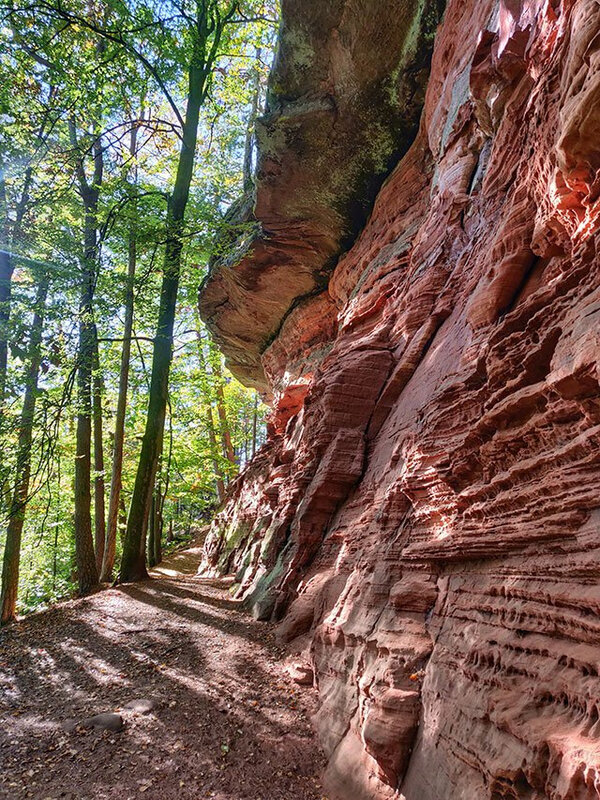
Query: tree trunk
[
  {"x": 99, "y": 509},
  {"x": 116, "y": 482},
  {"x": 228, "y": 450},
  {"x": 12, "y": 550},
  {"x": 162, "y": 495},
  {"x": 122, "y": 517},
  {"x": 210, "y": 420},
  {"x": 56, "y": 525},
  {"x": 214, "y": 449},
  {"x": 6, "y": 273},
  {"x": 87, "y": 570},
  {"x": 248, "y": 176},
  {"x": 254, "y": 423},
  {"x": 157, "y": 538},
  {"x": 10, "y": 233},
  {"x": 151, "y": 533},
  {"x": 133, "y": 565}
]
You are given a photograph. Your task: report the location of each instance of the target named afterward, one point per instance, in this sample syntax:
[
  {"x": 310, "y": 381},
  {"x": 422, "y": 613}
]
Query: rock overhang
[{"x": 344, "y": 100}]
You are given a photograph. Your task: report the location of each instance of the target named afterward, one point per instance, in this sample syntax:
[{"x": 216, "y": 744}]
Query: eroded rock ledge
[
  {"x": 339, "y": 115},
  {"x": 425, "y": 519}
]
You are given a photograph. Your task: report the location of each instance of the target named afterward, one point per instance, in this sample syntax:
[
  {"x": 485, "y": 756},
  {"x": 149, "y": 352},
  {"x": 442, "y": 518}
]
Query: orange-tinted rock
[{"x": 426, "y": 524}]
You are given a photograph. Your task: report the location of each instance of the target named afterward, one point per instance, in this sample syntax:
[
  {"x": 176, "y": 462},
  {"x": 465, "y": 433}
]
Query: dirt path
[{"x": 227, "y": 722}]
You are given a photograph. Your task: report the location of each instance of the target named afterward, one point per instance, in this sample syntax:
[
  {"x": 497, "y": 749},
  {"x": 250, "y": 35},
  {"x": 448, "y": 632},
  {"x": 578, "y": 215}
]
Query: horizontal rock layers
[{"x": 425, "y": 519}]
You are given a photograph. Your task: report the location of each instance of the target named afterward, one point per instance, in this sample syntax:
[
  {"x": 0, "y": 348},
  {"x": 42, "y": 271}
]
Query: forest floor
[{"x": 216, "y": 717}]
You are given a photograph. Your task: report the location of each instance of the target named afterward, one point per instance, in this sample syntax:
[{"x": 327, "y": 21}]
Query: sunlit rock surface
[{"x": 425, "y": 520}]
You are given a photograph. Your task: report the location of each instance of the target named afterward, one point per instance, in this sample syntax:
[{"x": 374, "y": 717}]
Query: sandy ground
[{"x": 227, "y": 722}]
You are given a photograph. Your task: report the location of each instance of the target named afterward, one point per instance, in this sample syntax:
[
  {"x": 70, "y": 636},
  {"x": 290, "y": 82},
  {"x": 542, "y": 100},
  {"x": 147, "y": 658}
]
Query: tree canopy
[{"x": 126, "y": 132}]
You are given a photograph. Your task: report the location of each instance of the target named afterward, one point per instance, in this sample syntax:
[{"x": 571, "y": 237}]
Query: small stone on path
[
  {"x": 108, "y": 722},
  {"x": 301, "y": 674},
  {"x": 143, "y": 705}
]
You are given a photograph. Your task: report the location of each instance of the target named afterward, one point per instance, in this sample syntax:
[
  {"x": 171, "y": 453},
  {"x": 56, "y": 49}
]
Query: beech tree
[
  {"x": 20, "y": 496},
  {"x": 206, "y": 33},
  {"x": 89, "y": 189},
  {"x": 116, "y": 483}
]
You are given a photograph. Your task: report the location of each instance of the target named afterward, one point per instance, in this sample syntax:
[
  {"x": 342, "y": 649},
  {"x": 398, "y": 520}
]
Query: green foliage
[{"x": 74, "y": 76}]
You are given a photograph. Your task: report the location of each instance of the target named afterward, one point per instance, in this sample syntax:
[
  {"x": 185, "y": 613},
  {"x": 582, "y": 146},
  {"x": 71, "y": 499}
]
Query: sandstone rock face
[
  {"x": 337, "y": 118},
  {"x": 425, "y": 519}
]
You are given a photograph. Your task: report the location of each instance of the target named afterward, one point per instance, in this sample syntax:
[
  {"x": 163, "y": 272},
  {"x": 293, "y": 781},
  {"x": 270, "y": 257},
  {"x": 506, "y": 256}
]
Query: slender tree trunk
[
  {"x": 247, "y": 435},
  {"x": 248, "y": 176},
  {"x": 116, "y": 482},
  {"x": 12, "y": 550},
  {"x": 162, "y": 495},
  {"x": 122, "y": 516},
  {"x": 133, "y": 565},
  {"x": 214, "y": 449},
  {"x": 254, "y": 424},
  {"x": 10, "y": 233},
  {"x": 210, "y": 420},
  {"x": 56, "y": 525},
  {"x": 99, "y": 508},
  {"x": 6, "y": 273},
  {"x": 154, "y": 548},
  {"x": 87, "y": 570},
  {"x": 151, "y": 533},
  {"x": 228, "y": 450},
  {"x": 157, "y": 539}
]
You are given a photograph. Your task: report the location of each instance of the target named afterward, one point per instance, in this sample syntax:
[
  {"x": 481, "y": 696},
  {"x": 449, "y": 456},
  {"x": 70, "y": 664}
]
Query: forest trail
[{"x": 227, "y": 723}]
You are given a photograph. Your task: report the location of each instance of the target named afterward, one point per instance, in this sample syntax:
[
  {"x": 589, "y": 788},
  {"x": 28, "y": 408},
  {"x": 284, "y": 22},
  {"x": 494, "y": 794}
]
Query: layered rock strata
[{"x": 425, "y": 519}]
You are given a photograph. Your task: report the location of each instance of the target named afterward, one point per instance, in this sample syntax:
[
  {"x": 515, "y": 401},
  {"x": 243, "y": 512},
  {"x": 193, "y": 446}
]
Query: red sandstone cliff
[{"x": 425, "y": 519}]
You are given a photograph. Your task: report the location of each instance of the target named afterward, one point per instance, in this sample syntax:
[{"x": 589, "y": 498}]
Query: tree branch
[{"x": 118, "y": 38}]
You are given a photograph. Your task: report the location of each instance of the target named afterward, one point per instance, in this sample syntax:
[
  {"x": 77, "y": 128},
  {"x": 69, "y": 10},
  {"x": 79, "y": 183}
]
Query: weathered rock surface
[
  {"x": 337, "y": 119},
  {"x": 425, "y": 519}
]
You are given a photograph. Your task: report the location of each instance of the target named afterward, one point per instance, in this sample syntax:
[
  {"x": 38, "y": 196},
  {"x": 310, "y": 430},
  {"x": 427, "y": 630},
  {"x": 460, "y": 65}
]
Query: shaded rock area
[
  {"x": 337, "y": 119},
  {"x": 425, "y": 518}
]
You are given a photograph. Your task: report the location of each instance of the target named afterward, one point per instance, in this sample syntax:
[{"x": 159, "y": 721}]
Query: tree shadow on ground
[
  {"x": 177, "y": 590},
  {"x": 226, "y": 720},
  {"x": 161, "y": 597}
]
